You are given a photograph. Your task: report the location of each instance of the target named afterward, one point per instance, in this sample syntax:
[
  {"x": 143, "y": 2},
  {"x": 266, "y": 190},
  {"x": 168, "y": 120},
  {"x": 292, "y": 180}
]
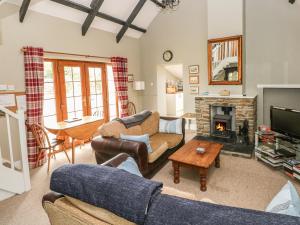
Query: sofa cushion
[
  {"x": 99, "y": 213},
  {"x": 140, "y": 138},
  {"x": 130, "y": 166},
  {"x": 151, "y": 124},
  {"x": 159, "y": 148},
  {"x": 287, "y": 201},
  {"x": 172, "y": 139},
  {"x": 112, "y": 129},
  {"x": 136, "y": 130},
  {"x": 170, "y": 126}
]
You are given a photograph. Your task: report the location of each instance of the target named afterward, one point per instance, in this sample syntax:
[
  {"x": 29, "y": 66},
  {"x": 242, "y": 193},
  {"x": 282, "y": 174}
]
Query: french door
[{"x": 78, "y": 89}]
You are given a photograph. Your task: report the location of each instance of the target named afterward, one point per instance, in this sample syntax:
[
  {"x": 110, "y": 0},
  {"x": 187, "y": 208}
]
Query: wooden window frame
[{"x": 60, "y": 88}]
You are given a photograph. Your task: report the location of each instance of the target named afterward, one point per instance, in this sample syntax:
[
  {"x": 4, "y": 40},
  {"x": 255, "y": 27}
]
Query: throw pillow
[
  {"x": 287, "y": 201},
  {"x": 140, "y": 138},
  {"x": 170, "y": 126},
  {"x": 130, "y": 166}
]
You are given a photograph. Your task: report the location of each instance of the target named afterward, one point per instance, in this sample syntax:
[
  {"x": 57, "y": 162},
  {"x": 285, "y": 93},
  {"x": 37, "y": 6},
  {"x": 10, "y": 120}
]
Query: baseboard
[{"x": 5, "y": 195}]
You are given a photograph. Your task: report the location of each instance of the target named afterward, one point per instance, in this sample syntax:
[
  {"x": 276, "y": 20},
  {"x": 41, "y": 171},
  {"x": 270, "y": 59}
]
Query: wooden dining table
[{"x": 82, "y": 129}]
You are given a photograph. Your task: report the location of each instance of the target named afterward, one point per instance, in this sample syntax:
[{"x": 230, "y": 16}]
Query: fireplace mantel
[
  {"x": 227, "y": 97},
  {"x": 245, "y": 108}
]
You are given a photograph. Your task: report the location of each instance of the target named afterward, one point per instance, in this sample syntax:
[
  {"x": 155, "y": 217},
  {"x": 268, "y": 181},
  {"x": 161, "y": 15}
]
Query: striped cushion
[{"x": 170, "y": 126}]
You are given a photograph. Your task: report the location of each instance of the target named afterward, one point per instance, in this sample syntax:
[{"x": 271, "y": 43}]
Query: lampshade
[{"x": 139, "y": 85}]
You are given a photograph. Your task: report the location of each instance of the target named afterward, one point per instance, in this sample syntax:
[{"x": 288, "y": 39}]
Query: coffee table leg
[
  {"x": 203, "y": 178},
  {"x": 176, "y": 172},
  {"x": 217, "y": 161}
]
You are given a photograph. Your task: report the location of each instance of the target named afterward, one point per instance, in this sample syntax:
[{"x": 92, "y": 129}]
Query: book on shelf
[
  {"x": 291, "y": 175},
  {"x": 296, "y": 169},
  {"x": 297, "y": 176}
]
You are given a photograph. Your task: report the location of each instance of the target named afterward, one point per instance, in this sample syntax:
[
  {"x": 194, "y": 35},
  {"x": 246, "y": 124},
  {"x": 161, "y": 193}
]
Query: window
[
  {"x": 49, "y": 108},
  {"x": 79, "y": 89}
]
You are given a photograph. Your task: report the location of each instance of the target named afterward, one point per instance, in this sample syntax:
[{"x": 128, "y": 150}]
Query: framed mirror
[{"x": 225, "y": 61}]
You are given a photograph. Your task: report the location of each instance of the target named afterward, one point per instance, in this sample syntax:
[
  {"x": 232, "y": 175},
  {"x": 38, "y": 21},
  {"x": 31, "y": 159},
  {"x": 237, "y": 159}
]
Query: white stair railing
[{"x": 14, "y": 178}]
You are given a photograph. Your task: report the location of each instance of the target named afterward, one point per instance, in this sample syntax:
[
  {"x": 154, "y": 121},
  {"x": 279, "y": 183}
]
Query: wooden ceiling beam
[
  {"x": 130, "y": 19},
  {"x": 23, "y": 10},
  {"x": 95, "y": 6},
  {"x": 158, "y": 3},
  {"x": 85, "y": 9}
]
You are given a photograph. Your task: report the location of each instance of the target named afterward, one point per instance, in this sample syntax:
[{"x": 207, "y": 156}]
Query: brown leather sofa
[{"x": 109, "y": 144}]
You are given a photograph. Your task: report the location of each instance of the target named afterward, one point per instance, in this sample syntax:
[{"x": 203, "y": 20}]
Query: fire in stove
[{"x": 220, "y": 126}]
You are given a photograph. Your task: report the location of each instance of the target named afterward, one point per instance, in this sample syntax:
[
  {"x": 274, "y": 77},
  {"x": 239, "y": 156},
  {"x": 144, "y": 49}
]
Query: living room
[{"x": 230, "y": 120}]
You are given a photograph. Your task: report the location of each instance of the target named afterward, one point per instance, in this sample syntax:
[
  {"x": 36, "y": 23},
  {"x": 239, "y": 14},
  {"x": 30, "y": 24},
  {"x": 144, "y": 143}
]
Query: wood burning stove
[{"x": 221, "y": 124}]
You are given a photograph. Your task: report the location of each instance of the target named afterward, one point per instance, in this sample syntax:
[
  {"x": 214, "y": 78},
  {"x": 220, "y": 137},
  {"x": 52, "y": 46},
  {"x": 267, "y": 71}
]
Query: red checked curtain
[
  {"x": 119, "y": 66},
  {"x": 34, "y": 85}
]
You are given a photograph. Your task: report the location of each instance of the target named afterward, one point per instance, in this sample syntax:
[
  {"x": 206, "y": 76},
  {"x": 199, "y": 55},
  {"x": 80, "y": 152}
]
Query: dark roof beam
[
  {"x": 85, "y": 9},
  {"x": 95, "y": 6},
  {"x": 23, "y": 10},
  {"x": 130, "y": 19}
]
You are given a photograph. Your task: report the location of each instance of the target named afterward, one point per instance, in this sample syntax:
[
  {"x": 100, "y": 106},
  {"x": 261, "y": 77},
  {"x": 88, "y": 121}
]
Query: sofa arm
[
  {"x": 108, "y": 147},
  {"x": 175, "y": 118},
  {"x": 116, "y": 161}
]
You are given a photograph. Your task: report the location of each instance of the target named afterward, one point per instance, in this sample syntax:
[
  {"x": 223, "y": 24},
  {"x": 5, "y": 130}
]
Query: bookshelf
[{"x": 278, "y": 152}]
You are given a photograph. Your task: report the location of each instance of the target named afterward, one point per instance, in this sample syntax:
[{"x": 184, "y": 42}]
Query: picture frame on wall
[
  {"x": 194, "y": 90},
  {"x": 130, "y": 78},
  {"x": 194, "y": 69},
  {"x": 194, "y": 79}
]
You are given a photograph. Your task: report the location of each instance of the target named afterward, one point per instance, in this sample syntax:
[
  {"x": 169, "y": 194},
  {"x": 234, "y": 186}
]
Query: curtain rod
[{"x": 72, "y": 54}]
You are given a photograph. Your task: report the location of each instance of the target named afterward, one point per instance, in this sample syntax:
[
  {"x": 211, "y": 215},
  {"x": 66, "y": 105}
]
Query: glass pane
[
  {"x": 48, "y": 71},
  {"x": 112, "y": 112},
  {"x": 99, "y": 87},
  {"x": 50, "y": 120},
  {"x": 98, "y": 112},
  {"x": 78, "y": 103},
  {"x": 76, "y": 73},
  {"x": 111, "y": 86},
  {"x": 78, "y": 114},
  {"x": 49, "y": 90},
  {"x": 99, "y": 100},
  {"x": 70, "y": 104},
  {"x": 92, "y": 88},
  {"x": 110, "y": 75},
  {"x": 68, "y": 73},
  {"x": 49, "y": 107},
  {"x": 112, "y": 98},
  {"x": 69, "y": 89},
  {"x": 71, "y": 115},
  {"x": 91, "y": 74},
  {"x": 77, "y": 89},
  {"x": 98, "y": 73},
  {"x": 94, "y": 101}
]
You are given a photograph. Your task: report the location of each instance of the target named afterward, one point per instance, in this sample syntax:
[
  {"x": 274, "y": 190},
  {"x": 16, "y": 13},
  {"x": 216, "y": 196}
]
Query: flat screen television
[{"x": 285, "y": 121}]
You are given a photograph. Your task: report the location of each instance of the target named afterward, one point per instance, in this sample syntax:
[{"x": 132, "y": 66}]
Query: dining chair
[
  {"x": 131, "y": 108},
  {"x": 44, "y": 144}
]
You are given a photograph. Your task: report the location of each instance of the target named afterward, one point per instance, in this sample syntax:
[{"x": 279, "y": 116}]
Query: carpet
[{"x": 239, "y": 182}]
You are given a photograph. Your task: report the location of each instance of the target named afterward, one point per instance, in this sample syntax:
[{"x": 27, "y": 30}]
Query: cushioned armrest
[
  {"x": 175, "y": 118},
  {"x": 117, "y": 160},
  {"x": 113, "y": 146},
  {"x": 51, "y": 197}
]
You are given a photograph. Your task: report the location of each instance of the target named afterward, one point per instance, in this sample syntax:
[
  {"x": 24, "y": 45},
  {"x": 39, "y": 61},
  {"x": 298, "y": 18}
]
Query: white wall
[
  {"x": 55, "y": 34},
  {"x": 272, "y": 43},
  {"x": 224, "y": 18},
  {"x": 184, "y": 32}
]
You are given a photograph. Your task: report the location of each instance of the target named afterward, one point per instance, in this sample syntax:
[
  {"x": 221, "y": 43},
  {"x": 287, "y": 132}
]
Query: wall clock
[{"x": 167, "y": 56}]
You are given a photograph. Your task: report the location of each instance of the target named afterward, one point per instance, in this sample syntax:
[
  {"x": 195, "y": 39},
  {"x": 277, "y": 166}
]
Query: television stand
[{"x": 279, "y": 152}]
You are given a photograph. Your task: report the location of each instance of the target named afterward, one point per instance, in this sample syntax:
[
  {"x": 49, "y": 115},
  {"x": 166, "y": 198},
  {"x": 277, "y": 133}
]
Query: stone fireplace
[{"x": 223, "y": 115}]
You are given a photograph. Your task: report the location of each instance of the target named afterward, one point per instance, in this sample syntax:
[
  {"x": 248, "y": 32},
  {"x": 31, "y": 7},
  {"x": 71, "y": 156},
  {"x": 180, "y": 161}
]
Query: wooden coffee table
[{"x": 187, "y": 156}]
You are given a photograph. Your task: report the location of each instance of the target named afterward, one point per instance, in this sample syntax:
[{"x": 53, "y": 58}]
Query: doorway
[{"x": 170, "y": 97}]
